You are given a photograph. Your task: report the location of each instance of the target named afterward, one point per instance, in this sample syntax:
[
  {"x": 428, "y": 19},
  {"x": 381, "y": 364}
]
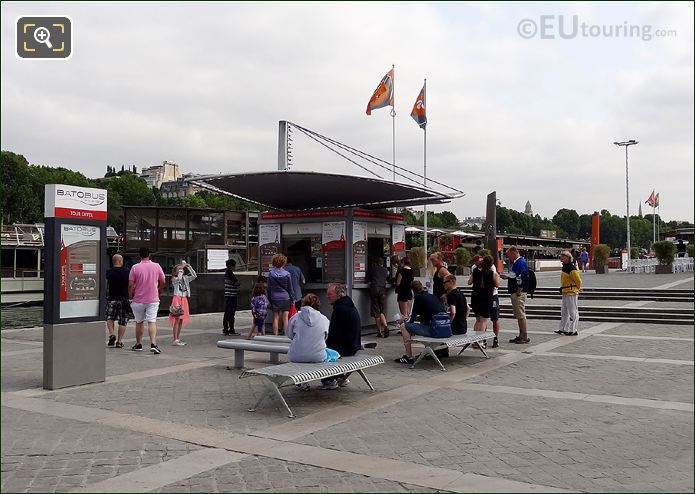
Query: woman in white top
[
  {"x": 179, "y": 313},
  {"x": 308, "y": 331}
]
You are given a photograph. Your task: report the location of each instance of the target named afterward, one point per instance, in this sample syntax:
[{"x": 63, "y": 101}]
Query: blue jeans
[{"x": 419, "y": 329}]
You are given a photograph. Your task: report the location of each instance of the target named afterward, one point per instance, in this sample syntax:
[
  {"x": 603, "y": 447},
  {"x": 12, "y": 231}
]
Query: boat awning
[{"x": 294, "y": 191}]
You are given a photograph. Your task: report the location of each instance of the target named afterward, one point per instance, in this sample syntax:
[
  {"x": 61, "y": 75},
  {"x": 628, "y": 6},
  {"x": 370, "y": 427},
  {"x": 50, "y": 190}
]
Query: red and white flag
[
  {"x": 383, "y": 94},
  {"x": 652, "y": 201},
  {"x": 419, "y": 113}
]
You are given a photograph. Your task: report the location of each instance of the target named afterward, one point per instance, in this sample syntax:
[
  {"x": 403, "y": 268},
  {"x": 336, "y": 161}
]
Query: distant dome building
[{"x": 527, "y": 209}]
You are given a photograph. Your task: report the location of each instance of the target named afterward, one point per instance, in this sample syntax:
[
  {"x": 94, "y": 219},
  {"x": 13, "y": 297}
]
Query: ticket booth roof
[{"x": 293, "y": 191}]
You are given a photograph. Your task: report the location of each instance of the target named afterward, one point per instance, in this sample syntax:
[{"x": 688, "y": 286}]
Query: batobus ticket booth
[
  {"x": 335, "y": 245},
  {"x": 331, "y": 226}
]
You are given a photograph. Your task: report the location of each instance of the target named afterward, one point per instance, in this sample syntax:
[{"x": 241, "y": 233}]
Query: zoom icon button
[{"x": 44, "y": 37}]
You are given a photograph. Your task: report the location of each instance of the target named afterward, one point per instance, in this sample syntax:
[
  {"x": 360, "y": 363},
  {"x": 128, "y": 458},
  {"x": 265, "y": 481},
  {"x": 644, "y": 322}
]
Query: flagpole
[
  {"x": 424, "y": 165},
  {"x": 393, "y": 120}
]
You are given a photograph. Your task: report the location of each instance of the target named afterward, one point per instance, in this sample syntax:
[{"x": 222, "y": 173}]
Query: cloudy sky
[{"x": 533, "y": 117}]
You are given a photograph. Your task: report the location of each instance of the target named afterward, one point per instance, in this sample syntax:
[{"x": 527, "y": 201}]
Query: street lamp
[{"x": 627, "y": 144}]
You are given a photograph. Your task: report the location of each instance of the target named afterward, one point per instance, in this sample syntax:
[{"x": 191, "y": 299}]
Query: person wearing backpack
[
  {"x": 518, "y": 284},
  {"x": 426, "y": 308}
]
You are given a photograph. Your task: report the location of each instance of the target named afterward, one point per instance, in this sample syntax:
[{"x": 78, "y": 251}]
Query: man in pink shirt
[{"x": 145, "y": 283}]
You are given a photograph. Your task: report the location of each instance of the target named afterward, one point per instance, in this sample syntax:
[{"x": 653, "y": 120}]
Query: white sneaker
[
  {"x": 343, "y": 382},
  {"x": 180, "y": 343},
  {"x": 175, "y": 343}
]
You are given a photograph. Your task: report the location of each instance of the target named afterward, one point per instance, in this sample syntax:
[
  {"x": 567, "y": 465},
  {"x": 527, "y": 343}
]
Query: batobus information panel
[{"x": 80, "y": 268}]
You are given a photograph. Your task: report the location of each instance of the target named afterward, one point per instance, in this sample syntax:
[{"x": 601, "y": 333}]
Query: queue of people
[{"x": 135, "y": 294}]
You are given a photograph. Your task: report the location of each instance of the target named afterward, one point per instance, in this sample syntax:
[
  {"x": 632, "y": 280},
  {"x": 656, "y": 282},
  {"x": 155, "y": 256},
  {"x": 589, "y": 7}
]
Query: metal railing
[{"x": 680, "y": 265}]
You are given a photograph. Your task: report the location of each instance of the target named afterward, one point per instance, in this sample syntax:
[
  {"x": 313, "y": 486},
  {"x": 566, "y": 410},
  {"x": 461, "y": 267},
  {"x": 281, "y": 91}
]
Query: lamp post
[{"x": 627, "y": 144}]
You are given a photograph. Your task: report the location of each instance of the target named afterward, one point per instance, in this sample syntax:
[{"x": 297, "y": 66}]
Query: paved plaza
[{"x": 610, "y": 410}]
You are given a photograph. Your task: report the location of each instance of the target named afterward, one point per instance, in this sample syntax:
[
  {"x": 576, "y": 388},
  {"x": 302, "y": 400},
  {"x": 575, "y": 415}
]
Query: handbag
[
  {"x": 441, "y": 325},
  {"x": 175, "y": 310},
  {"x": 293, "y": 311}
]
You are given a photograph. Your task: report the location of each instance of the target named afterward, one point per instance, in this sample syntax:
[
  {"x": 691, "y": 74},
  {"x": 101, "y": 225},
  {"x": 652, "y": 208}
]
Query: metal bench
[
  {"x": 292, "y": 373},
  {"x": 241, "y": 346},
  {"x": 463, "y": 340}
]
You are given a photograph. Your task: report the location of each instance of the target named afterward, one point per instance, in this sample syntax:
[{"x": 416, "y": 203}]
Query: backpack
[
  {"x": 441, "y": 325},
  {"x": 531, "y": 283}
]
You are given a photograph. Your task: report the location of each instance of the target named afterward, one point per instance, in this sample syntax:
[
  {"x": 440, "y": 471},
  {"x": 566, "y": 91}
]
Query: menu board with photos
[
  {"x": 359, "y": 251},
  {"x": 268, "y": 244},
  {"x": 333, "y": 249}
]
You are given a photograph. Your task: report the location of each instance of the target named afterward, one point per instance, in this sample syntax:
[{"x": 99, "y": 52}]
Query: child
[{"x": 259, "y": 310}]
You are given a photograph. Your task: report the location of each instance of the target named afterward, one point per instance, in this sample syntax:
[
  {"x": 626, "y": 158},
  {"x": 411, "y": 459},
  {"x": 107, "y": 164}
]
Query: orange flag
[
  {"x": 419, "y": 113},
  {"x": 383, "y": 94}
]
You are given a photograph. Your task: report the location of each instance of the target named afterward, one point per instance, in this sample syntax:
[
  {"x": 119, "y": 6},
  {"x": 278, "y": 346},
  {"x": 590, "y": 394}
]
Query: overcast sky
[{"x": 204, "y": 85}]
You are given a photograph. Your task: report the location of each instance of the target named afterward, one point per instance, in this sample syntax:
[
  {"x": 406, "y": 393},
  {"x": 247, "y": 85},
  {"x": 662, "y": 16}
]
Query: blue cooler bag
[{"x": 441, "y": 325}]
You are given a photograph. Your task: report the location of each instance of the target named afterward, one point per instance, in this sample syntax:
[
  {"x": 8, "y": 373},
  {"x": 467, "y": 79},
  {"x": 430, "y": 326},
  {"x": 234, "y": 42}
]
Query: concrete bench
[
  {"x": 291, "y": 373},
  {"x": 463, "y": 340},
  {"x": 241, "y": 346}
]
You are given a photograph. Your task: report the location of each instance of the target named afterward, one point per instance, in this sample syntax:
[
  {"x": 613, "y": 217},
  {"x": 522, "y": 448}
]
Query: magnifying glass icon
[{"x": 43, "y": 35}]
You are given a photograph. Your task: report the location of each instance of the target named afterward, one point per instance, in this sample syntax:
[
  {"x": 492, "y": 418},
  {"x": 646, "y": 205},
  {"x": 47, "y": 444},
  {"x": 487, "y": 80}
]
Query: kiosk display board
[
  {"x": 79, "y": 270},
  {"x": 333, "y": 248},
  {"x": 359, "y": 251},
  {"x": 268, "y": 244},
  {"x": 398, "y": 240}
]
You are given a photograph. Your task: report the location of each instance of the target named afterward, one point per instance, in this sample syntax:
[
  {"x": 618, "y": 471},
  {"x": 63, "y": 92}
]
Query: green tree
[
  {"x": 567, "y": 220},
  {"x": 449, "y": 219},
  {"x": 409, "y": 216}
]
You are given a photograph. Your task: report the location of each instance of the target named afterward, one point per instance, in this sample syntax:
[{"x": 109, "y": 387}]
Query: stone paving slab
[
  {"x": 42, "y": 453},
  {"x": 258, "y": 474},
  {"x": 678, "y": 350},
  {"x": 581, "y": 446},
  {"x": 653, "y": 330},
  {"x": 616, "y": 378}
]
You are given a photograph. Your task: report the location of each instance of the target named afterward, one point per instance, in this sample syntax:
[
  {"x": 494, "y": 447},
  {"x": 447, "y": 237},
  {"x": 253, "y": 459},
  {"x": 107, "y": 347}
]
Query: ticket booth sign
[
  {"x": 333, "y": 248},
  {"x": 359, "y": 251},
  {"x": 269, "y": 245},
  {"x": 398, "y": 240}
]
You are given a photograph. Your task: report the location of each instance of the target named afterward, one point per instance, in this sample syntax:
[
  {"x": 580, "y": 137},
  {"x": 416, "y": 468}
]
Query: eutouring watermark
[{"x": 572, "y": 27}]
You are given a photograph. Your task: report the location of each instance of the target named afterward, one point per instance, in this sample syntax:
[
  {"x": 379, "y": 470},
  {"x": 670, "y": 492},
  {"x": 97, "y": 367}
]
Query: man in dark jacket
[
  {"x": 344, "y": 331},
  {"x": 425, "y": 305}
]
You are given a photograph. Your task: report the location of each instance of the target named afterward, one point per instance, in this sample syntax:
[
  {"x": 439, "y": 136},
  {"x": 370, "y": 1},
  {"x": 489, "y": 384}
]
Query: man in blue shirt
[
  {"x": 517, "y": 286},
  {"x": 297, "y": 282}
]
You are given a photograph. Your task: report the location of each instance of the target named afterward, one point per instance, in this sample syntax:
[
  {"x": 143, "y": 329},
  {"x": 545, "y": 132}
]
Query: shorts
[
  {"x": 145, "y": 312},
  {"x": 281, "y": 305},
  {"x": 378, "y": 298},
  {"x": 418, "y": 329},
  {"x": 118, "y": 310},
  {"x": 405, "y": 297},
  {"x": 519, "y": 305},
  {"x": 258, "y": 324},
  {"x": 495, "y": 312}
]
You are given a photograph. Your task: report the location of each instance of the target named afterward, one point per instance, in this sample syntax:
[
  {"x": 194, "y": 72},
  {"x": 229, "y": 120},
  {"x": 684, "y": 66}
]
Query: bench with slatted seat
[
  {"x": 291, "y": 373},
  {"x": 463, "y": 340},
  {"x": 241, "y": 346}
]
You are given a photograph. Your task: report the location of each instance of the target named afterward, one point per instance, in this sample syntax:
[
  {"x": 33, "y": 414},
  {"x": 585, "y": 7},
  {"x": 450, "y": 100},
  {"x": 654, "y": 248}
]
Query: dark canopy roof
[{"x": 291, "y": 191}]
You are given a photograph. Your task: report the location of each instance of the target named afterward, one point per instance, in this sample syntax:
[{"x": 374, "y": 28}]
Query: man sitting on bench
[
  {"x": 425, "y": 305},
  {"x": 344, "y": 331}
]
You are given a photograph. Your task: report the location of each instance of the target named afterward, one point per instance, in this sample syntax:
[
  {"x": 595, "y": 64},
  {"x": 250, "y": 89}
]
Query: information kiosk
[
  {"x": 74, "y": 291},
  {"x": 333, "y": 227}
]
